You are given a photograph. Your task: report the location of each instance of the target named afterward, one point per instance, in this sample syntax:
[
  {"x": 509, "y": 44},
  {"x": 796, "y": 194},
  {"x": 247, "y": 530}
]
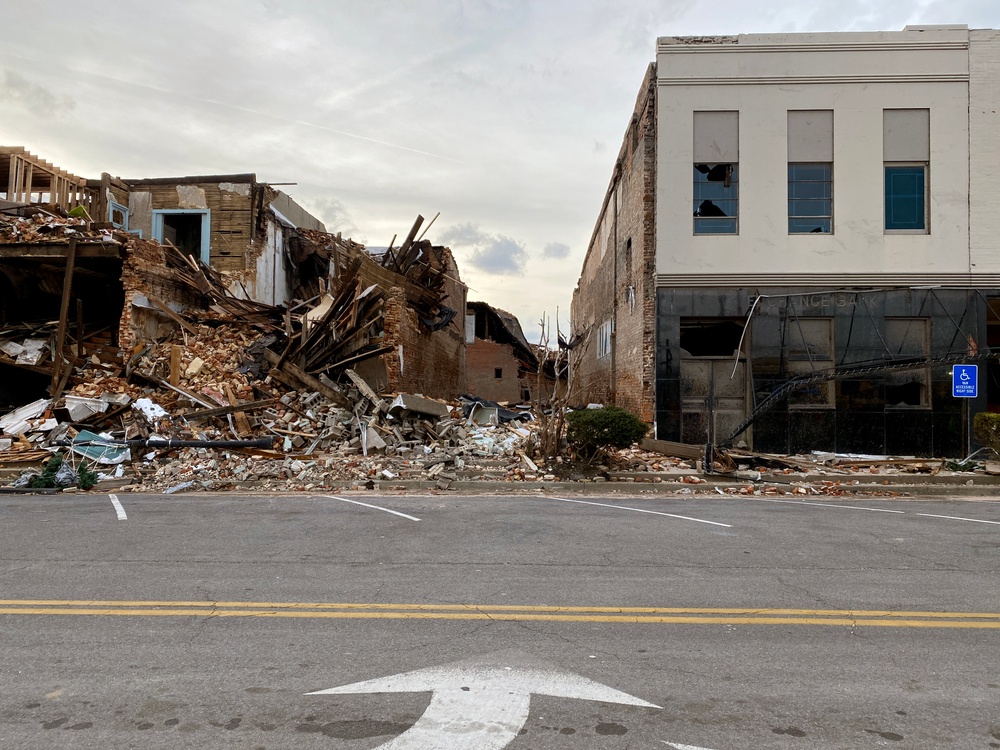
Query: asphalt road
[{"x": 515, "y": 621}]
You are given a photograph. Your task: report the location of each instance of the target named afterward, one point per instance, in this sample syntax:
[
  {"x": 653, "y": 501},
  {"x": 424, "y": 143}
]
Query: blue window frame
[
  {"x": 906, "y": 197},
  {"x": 810, "y": 198},
  {"x": 716, "y": 199}
]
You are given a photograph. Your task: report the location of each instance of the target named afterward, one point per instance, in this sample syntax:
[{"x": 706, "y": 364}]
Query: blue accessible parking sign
[{"x": 965, "y": 381}]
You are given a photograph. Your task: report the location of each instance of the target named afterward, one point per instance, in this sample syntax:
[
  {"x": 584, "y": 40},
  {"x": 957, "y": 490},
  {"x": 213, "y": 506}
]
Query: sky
[{"x": 504, "y": 116}]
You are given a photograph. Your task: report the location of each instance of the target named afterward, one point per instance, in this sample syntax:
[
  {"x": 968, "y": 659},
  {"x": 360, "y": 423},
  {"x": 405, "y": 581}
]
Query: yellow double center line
[{"x": 631, "y": 615}]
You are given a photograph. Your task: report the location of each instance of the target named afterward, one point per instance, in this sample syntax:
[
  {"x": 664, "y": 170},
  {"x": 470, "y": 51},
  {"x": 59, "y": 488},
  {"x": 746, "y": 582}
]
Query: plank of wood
[
  {"x": 58, "y": 381},
  {"x": 668, "y": 448},
  {"x": 175, "y": 364},
  {"x": 249, "y": 406},
  {"x": 304, "y": 379},
  {"x": 171, "y": 314},
  {"x": 242, "y": 423}
]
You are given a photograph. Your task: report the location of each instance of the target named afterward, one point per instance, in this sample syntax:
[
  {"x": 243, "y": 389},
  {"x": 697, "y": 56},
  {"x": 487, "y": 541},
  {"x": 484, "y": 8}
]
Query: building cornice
[
  {"x": 726, "y": 47},
  {"x": 830, "y": 280},
  {"x": 815, "y": 80}
]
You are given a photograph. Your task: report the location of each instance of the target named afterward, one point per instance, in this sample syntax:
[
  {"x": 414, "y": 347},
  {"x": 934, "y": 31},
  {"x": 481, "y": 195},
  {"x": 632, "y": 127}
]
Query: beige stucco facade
[
  {"x": 823, "y": 234},
  {"x": 857, "y": 76}
]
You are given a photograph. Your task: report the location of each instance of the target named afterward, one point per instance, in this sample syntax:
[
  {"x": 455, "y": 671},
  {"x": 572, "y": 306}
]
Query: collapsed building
[{"x": 91, "y": 270}]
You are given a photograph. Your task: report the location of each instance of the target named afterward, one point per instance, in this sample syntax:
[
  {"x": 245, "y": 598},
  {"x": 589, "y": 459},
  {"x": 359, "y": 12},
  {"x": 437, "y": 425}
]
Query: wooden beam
[
  {"x": 222, "y": 410},
  {"x": 175, "y": 365},
  {"x": 304, "y": 379},
  {"x": 668, "y": 448},
  {"x": 60, "y": 251},
  {"x": 171, "y": 314},
  {"x": 56, "y": 389}
]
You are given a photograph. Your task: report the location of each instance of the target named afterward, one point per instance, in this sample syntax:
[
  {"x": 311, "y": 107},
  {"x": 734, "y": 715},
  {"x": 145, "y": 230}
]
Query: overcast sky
[{"x": 505, "y": 115}]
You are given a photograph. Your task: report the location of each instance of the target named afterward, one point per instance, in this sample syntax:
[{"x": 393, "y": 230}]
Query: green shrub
[
  {"x": 986, "y": 429},
  {"x": 592, "y": 430}
]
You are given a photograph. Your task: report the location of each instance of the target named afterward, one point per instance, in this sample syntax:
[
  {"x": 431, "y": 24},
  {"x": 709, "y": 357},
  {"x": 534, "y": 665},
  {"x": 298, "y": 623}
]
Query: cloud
[
  {"x": 334, "y": 214},
  {"x": 556, "y": 250},
  {"x": 492, "y": 253},
  {"x": 37, "y": 100}
]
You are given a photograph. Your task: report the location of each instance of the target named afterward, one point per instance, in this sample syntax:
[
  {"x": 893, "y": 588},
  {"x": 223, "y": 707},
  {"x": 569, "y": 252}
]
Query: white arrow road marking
[
  {"x": 683, "y": 747},
  {"x": 373, "y": 507},
  {"x": 118, "y": 508},
  {"x": 479, "y": 705}
]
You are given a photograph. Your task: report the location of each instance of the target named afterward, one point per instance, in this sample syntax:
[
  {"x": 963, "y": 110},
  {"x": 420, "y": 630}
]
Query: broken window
[
  {"x": 908, "y": 339},
  {"x": 809, "y": 349},
  {"x": 906, "y": 153},
  {"x": 716, "y": 172},
  {"x": 118, "y": 215},
  {"x": 716, "y": 199},
  {"x": 604, "y": 339},
  {"x": 710, "y": 338}
]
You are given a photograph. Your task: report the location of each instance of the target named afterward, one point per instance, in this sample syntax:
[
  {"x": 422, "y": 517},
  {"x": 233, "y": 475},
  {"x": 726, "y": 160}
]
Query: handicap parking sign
[{"x": 965, "y": 381}]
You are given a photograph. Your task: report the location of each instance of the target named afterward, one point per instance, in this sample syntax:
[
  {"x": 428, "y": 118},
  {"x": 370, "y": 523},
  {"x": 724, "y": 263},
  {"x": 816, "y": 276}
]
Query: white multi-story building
[{"x": 824, "y": 240}]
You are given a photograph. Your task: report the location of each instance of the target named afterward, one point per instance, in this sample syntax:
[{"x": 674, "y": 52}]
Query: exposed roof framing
[{"x": 26, "y": 178}]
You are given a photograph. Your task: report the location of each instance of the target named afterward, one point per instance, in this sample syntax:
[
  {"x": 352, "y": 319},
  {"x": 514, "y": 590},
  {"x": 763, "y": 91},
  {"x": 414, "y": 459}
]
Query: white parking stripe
[
  {"x": 640, "y": 510},
  {"x": 118, "y": 508},
  {"x": 957, "y": 518},
  {"x": 828, "y": 505},
  {"x": 374, "y": 507}
]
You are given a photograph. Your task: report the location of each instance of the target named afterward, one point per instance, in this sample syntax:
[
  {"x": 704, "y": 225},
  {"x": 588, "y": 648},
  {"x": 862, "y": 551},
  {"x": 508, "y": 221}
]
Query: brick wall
[
  {"x": 616, "y": 283},
  {"x": 483, "y": 359},
  {"x": 432, "y": 363}
]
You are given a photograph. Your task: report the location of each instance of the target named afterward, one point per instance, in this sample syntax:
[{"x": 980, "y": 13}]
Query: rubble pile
[{"x": 44, "y": 227}]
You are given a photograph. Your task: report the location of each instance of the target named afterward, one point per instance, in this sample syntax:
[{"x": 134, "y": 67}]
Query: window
[
  {"x": 810, "y": 198},
  {"x": 498, "y": 372},
  {"x": 604, "y": 334},
  {"x": 908, "y": 339},
  {"x": 716, "y": 173},
  {"x": 716, "y": 199},
  {"x": 187, "y": 229},
  {"x": 810, "y": 171},
  {"x": 906, "y": 197},
  {"x": 809, "y": 349},
  {"x": 118, "y": 215},
  {"x": 906, "y": 155}
]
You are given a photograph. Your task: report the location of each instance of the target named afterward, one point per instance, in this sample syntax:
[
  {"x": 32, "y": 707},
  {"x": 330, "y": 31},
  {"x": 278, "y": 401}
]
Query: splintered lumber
[
  {"x": 302, "y": 379},
  {"x": 162, "y": 307},
  {"x": 239, "y": 417},
  {"x": 249, "y": 406},
  {"x": 58, "y": 381}
]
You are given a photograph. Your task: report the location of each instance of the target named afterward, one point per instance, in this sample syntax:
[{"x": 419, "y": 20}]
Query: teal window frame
[{"x": 906, "y": 198}]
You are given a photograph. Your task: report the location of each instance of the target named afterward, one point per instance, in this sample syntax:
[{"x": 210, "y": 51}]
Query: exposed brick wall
[
  {"x": 432, "y": 363},
  {"x": 483, "y": 358},
  {"x": 616, "y": 282}
]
